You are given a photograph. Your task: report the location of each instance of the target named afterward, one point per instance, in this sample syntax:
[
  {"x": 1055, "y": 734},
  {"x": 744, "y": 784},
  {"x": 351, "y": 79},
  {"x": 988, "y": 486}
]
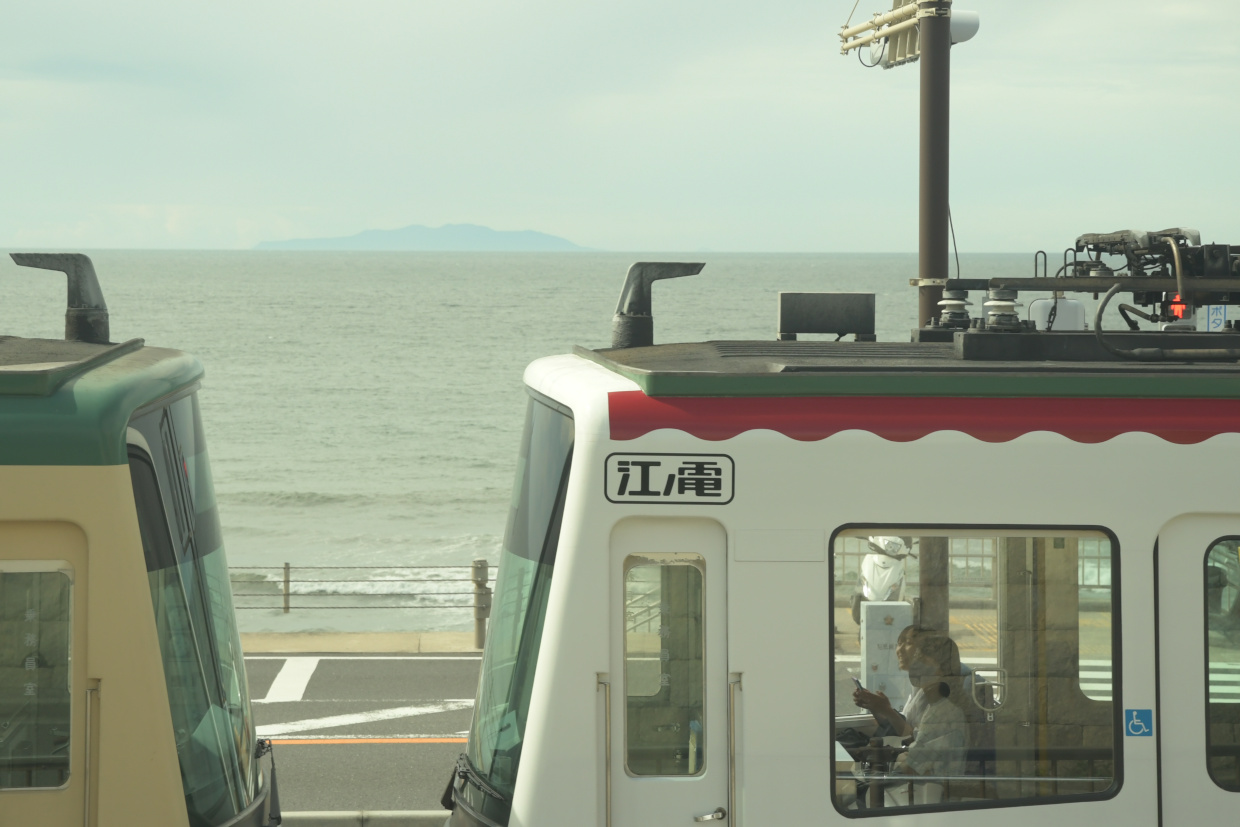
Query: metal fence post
[
  {"x": 286, "y": 581},
  {"x": 482, "y": 602}
]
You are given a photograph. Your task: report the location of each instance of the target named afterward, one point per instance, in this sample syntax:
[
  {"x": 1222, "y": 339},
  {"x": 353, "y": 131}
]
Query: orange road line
[{"x": 317, "y": 741}]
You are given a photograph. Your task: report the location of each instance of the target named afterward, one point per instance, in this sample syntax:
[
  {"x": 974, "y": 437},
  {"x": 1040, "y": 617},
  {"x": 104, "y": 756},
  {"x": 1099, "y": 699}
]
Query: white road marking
[
  {"x": 310, "y": 724},
  {"x": 290, "y": 683},
  {"x": 371, "y": 657},
  {"x": 306, "y": 701},
  {"x": 369, "y": 735}
]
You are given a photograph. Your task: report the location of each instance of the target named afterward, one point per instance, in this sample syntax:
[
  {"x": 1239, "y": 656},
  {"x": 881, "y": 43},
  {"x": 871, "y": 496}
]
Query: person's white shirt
[{"x": 938, "y": 750}]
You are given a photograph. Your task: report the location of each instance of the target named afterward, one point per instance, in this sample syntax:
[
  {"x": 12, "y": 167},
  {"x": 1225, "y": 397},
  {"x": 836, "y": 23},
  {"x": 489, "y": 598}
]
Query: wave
[{"x": 304, "y": 499}]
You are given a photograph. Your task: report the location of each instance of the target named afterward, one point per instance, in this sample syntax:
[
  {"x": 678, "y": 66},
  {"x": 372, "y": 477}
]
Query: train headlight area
[
  {"x": 989, "y": 572},
  {"x": 123, "y": 695}
]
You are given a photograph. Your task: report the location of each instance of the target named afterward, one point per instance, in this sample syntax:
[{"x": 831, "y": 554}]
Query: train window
[
  {"x": 192, "y": 601},
  {"x": 35, "y": 622},
  {"x": 664, "y": 675},
  {"x": 1222, "y": 586},
  {"x": 522, "y": 586},
  {"x": 973, "y": 667}
]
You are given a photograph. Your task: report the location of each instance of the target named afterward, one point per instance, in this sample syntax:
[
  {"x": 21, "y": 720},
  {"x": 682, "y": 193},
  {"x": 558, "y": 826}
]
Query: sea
[{"x": 363, "y": 410}]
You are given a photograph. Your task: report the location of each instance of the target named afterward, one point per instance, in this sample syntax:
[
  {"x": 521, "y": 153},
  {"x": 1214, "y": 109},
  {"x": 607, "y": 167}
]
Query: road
[{"x": 354, "y": 732}]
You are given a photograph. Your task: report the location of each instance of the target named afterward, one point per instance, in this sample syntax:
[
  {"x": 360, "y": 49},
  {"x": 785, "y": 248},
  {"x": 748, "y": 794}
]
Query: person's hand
[{"x": 876, "y": 703}]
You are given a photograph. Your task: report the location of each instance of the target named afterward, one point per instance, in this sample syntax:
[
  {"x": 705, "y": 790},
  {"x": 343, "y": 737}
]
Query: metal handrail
[{"x": 604, "y": 683}]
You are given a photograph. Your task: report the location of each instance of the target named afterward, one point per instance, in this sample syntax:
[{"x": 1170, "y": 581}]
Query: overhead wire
[
  {"x": 851, "y": 13},
  {"x": 953, "y": 229}
]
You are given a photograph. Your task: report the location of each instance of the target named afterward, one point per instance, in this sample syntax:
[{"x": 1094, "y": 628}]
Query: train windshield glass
[
  {"x": 192, "y": 599},
  {"x": 519, "y": 607},
  {"x": 975, "y": 666}
]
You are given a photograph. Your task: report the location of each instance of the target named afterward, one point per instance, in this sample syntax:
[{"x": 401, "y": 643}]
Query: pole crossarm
[
  {"x": 886, "y": 31},
  {"x": 878, "y": 21},
  {"x": 890, "y": 23}
]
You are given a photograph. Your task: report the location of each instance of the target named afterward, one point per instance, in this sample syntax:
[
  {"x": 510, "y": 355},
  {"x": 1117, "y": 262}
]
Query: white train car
[{"x": 672, "y": 638}]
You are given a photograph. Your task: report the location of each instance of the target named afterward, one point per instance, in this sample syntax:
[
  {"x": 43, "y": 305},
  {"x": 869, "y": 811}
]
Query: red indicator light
[{"x": 1177, "y": 307}]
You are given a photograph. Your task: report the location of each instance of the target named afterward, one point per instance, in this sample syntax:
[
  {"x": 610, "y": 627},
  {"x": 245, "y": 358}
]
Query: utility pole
[
  {"x": 923, "y": 30},
  {"x": 935, "y": 43},
  {"x": 936, "y": 49}
]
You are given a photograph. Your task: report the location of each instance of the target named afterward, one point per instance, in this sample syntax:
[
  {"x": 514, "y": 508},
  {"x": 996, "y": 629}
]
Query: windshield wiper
[{"x": 465, "y": 770}]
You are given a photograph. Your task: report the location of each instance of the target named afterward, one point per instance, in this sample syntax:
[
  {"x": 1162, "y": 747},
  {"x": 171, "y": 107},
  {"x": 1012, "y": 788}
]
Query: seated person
[
  {"x": 940, "y": 738},
  {"x": 904, "y": 721},
  {"x": 879, "y": 705}
]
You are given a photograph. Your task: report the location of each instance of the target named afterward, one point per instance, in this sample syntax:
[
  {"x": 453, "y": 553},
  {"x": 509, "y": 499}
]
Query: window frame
[
  {"x": 64, "y": 567},
  {"x": 1205, "y": 640},
  {"x": 1010, "y": 530},
  {"x": 664, "y": 560}
]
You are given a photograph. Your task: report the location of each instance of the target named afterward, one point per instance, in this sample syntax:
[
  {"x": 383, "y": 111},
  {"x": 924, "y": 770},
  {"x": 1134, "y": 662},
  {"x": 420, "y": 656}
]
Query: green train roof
[
  {"x": 69, "y": 403},
  {"x": 969, "y": 364}
]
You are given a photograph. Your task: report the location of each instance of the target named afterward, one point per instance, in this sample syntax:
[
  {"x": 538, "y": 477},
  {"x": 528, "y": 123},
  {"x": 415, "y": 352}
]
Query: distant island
[{"x": 448, "y": 238}]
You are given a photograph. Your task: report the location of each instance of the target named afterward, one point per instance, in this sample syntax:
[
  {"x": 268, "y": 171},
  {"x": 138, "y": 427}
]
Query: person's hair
[
  {"x": 909, "y": 632},
  {"x": 943, "y": 651}
]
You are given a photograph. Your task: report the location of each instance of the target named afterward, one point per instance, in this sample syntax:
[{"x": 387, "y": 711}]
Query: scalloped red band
[{"x": 903, "y": 419}]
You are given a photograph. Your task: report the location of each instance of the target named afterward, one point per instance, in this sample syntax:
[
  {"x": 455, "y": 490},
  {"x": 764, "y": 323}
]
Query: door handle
[{"x": 718, "y": 815}]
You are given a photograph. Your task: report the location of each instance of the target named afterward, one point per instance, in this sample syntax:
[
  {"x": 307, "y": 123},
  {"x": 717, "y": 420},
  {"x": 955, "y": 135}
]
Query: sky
[{"x": 702, "y": 125}]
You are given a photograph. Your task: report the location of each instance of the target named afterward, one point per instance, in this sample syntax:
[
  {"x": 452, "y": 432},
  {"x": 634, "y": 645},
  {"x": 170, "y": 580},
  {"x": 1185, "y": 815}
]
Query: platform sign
[
  {"x": 685, "y": 479},
  {"x": 1138, "y": 722}
]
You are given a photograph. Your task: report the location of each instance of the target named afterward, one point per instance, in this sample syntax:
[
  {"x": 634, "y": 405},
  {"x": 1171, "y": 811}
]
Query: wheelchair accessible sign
[{"x": 1138, "y": 722}]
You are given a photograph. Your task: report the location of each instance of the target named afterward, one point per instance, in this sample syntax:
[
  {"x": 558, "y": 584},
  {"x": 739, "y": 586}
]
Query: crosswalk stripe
[{"x": 290, "y": 683}]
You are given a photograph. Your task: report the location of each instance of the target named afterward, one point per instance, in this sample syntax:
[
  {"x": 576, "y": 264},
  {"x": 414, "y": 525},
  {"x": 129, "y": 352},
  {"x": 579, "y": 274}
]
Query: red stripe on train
[{"x": 903, "y": 419}]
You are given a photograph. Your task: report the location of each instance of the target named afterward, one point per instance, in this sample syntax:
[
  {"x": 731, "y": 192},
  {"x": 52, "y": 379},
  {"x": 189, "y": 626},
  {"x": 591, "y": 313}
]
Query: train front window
[
  {"x": 192, "y": 600},
  {"x": 35, "y": 623},
  {"x": 519, "y": 608},
  {"x": 974, "y": 667},
  {"x": 1222, "y": 589}
]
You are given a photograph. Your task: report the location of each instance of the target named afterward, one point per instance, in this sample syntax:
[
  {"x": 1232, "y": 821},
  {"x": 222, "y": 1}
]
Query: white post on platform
[{"x": 482, "y": 602}]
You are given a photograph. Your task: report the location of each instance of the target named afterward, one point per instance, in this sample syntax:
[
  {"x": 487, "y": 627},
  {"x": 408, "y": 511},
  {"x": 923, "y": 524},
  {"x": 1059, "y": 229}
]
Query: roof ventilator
[
  {"x": 837, "y": 314},
  {"x": 633, "y": 324},
  {"x": 86, "y": 316}
]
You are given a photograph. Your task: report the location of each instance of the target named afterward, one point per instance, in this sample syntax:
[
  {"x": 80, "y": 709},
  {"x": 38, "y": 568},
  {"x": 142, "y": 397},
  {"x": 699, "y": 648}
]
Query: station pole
[{"x": 935, "y": 43}]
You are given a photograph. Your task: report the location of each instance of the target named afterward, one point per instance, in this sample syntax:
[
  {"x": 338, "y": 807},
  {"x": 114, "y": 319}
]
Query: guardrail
[{"x": 365, "y": 587}]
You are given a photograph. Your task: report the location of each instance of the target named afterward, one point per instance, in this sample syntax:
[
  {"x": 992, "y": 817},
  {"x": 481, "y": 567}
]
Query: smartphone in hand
[{"x": 856, "y": 682}]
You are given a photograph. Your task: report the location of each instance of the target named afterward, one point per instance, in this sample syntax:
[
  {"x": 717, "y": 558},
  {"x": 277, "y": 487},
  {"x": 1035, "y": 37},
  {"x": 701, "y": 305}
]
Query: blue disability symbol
[{"x": 1139, "y": 721}]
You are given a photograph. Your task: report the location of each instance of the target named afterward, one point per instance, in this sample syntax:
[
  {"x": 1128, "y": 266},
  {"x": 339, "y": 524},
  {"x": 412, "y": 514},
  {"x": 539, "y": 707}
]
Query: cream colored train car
[{"x": 123, "y": 698}]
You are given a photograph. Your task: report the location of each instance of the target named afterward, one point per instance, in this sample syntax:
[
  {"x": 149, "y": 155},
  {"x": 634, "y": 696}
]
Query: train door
[
  {"x": 1196, "y": 722},
  {"x": 46, "y": 699},
  {"x": 669, "y": 711}
]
